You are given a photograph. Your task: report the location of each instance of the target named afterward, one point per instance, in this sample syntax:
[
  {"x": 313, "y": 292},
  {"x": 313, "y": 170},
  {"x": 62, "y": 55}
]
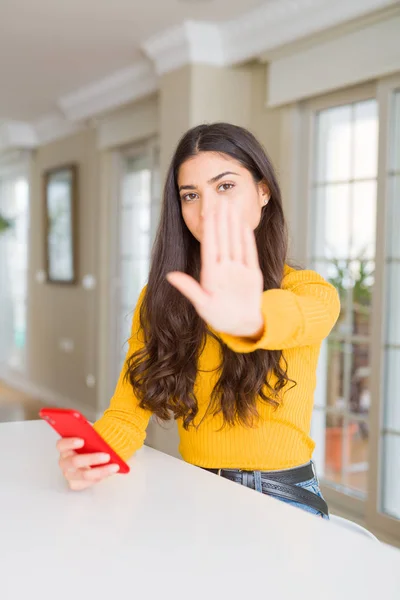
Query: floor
[{"x": 17, "y": 406}]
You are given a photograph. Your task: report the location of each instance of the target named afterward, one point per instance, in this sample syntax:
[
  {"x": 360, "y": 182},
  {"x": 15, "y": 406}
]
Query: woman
[{"x": 225, "y": 336}]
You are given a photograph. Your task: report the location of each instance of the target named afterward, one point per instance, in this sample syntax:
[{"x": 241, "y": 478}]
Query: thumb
[{"x": 188, "y": 287}]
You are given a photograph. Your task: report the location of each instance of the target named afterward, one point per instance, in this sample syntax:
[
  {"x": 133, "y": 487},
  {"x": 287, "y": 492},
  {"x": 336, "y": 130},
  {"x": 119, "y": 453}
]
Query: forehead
[{"x": 205, "y": 165}]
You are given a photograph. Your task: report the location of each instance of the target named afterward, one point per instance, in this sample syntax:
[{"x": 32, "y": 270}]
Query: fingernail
[
  {"x": 104, "y": 457},
  {"x": 114, "y": 469},
  {"x": 78, "y": 443}
]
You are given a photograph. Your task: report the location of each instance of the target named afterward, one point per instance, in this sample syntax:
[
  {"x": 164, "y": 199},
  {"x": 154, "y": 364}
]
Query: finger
[
  {"x": 80, "y": 461},
  {"x": 79, "y": 484},
  {"x": 75, "y": 475},
  {"x": 250, "y": 248},
  {"x": 187, "y": 286},
  {"x": 223, "y": 231},
  {"x": 235, "y": 234},
  {"x": 99, "y": 473},
  {"x": 209, "y": 246},
  {"x": 64, "y": 456},
  {"x": 65, "y": 444}
]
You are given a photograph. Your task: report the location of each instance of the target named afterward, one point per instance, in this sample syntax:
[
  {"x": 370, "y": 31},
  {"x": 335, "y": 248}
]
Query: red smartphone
[{"x": 72, "y": 424}]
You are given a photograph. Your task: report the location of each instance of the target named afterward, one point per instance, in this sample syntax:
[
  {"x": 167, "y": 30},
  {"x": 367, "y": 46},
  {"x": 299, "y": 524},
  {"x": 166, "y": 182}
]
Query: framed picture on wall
[{"x": 60, "y": 199}]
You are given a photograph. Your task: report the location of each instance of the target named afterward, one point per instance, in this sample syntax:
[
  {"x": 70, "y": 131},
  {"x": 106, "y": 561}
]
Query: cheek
[
  {"x": 191, "y": 216},
  {"x": 251, "y": 211}
]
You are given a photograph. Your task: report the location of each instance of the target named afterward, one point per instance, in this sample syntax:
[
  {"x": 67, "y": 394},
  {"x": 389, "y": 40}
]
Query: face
[{"x": 207, "y": 177}]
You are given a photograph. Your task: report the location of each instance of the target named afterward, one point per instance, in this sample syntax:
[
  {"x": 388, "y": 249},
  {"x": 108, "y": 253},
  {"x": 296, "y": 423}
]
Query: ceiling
[{"x": 50, "y": 48}]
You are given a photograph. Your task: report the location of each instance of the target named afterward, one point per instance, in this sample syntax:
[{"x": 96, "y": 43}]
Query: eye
[
  {"x": 189, "y": 197},
  {"x": 224, "y": 187}
]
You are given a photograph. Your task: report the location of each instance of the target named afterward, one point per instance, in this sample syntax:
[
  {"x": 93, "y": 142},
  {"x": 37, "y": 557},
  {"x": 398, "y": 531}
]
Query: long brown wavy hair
[{"x": 164, "y": 371}]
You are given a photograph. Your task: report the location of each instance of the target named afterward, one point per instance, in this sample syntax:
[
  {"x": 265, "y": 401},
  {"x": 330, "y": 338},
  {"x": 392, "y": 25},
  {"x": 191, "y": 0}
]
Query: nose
[{"x": 208, "y": 203}]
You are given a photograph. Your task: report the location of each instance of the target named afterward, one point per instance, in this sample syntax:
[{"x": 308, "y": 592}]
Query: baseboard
[{"x": 20, "y": 382}]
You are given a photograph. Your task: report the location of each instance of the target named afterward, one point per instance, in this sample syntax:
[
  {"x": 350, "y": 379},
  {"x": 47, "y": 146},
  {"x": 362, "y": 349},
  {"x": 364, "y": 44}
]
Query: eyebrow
[{"x": 210, "y": 181}]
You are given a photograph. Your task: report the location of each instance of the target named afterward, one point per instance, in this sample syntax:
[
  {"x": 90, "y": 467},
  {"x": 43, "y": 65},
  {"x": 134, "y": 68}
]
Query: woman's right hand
[{"x": 76, "y": 467}]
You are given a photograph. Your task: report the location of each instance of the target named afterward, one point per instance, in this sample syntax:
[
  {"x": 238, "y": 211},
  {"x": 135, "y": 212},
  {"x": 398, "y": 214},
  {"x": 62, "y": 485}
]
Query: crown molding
[
  {"x": 265, "y": 28},
  {"x": 53, "y": 127},
  {"x": 10, "y": 157},
  {"x": 120, "y": 88},
  {"x": 17, "y": 134},
  {"x": 191, "y": 42},
  {"x": 14, "y": 162},
  {"x": 261, "y": 31},
  {"x": 124, "y": 86},
  {"x": 282, "y": 22},
  {"x": 335, "y": 32}
]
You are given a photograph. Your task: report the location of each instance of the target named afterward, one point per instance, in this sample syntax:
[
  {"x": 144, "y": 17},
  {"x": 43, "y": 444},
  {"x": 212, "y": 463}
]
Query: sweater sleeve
[
  {"x": 301, "y": 313},
  {"x": 124, "y": 423}
]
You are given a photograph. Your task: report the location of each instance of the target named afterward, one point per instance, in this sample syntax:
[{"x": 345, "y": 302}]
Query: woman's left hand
[{"x": 229, "y": 295}]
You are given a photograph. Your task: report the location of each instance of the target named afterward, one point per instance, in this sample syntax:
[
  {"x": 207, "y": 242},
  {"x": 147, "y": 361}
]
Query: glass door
[
  {"x": 388, "y": 479},
  {"x": 352, "y": 203},
  {"x": 138, "y": 214},
  {"x": 14, "y": 215},
  {"x": 344, "y": 202}
]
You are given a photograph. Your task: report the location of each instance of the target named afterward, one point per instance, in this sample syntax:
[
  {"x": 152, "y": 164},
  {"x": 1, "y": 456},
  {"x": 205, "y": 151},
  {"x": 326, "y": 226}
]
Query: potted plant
[{"x": 4, "y": 224}]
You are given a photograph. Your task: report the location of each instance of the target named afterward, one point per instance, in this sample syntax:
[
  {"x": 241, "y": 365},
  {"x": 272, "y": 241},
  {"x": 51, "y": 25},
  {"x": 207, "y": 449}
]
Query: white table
[{"x": 168, "y": 530}]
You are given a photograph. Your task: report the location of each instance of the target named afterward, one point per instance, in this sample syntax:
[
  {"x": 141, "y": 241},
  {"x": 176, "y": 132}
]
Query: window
[
  {"x": 14, "y": 208},
  {"x": 350, "y": 234},
  {"x": 138, "y": 213},
  {"x": 343, "y": 192},
  {"x": 390, "y": 430}
]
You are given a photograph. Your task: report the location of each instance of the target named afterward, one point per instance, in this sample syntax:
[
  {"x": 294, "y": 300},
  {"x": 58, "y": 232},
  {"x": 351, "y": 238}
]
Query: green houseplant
[
  {"x": 355, "y": 276},
  {"x": 4, "y": 224}
]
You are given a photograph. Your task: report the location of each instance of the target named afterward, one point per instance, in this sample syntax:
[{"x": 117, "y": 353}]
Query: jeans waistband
[
  {"x": 289, "y": 476},
  {"x": 280, "y": 484}
]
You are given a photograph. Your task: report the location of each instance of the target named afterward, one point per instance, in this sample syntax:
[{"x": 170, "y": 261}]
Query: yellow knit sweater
[{"x": 297, "y": 318}]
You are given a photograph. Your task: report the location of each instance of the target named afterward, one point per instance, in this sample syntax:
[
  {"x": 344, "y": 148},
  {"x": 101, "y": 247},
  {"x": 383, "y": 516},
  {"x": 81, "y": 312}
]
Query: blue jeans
[{"x": 312, "y": 485}]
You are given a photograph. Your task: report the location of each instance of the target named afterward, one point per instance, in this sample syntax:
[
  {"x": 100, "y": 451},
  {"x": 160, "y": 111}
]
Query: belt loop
[
  {"x": 219, "y": 472},
  {"x": 313, "y": 469},
  {"x": 257, "y": 481}
]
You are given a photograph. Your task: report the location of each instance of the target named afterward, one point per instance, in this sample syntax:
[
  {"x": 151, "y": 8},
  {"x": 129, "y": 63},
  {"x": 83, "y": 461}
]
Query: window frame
[
  {"x": 149, "y": 150},
  {"x": 113, "y": 170},
  {"x": 14, "y": 165},
  {"x": 377, "y": 520},
  {"x": 366, "y": 511}
]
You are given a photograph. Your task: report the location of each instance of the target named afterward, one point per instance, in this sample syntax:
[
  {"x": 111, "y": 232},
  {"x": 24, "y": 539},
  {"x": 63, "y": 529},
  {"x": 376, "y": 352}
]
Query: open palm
[{"x": 229, "y": 295}]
